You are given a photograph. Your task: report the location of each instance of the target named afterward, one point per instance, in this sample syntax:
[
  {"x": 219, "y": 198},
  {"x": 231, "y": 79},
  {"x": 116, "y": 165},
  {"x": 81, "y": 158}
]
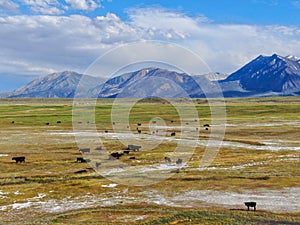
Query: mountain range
[{"x": 264, "y": 76}]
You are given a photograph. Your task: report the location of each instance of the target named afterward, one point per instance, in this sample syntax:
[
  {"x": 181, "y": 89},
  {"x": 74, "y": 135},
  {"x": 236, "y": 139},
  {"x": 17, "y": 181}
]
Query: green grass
[
  {"x": 169, "y": 215},
  {"x": 51, "y": 168}
]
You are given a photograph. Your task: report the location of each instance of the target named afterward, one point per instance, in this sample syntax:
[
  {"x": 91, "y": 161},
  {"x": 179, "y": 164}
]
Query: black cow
[
  {"x": 80, "y": 171},
  {"x": 139, "y": 131},
  {"x": 19, "y": 159},
  {"x": 85, "y": 150},
  {"x": 135, "y": 148},
  {"x": 250, "y": 204},
  {"x": 173, "y": 134},
  {"x": 126, "y": 152},
  {"x": 167, "y": 159},
  {"x": 179, "y": 161},
  {"x": 139, "y": 124},
  {"x": 175, "y": 171},
  {"x": 82, "y": 160},
  {"x": 99, "y": 148},
  {"x": 115, "y": 155},
  {"x": 206, "y": 125},
  {"x": 133, "y": 157}
]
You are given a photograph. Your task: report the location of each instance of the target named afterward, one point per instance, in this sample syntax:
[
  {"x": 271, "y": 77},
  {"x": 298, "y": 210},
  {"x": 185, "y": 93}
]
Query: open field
[{"x": 258, "y": 160}]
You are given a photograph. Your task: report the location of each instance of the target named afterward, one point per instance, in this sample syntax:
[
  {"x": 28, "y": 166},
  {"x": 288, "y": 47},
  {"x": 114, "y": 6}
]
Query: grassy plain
[{"x": 260, "y": 154}]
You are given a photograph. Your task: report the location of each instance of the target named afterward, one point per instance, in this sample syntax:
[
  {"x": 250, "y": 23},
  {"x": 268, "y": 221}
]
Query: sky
[{"x": 38, "y": 37}]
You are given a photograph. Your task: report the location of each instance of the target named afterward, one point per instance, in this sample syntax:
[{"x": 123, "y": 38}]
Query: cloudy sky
[{"x": 38, "y": 37}]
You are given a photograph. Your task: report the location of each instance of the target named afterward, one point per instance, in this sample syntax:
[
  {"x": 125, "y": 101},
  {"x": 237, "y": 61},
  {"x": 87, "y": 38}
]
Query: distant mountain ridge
[
  {"x": 55, "y": 85},
  {"x": 269, "y": 74},
  {"x": 264, "y": 76},
  {"x": 149, "y": 82}
]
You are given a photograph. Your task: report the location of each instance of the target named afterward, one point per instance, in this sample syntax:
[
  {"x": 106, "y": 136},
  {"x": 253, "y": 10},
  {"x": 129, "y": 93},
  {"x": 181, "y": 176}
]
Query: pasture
[{"x": 258, "y": 160}]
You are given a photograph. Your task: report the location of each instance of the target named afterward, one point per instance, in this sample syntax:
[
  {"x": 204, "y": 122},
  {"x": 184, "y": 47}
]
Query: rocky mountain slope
[
  {"x": 269, "y": 74},
  {"x": 150, "y": 82},
  {"x": 264, "y": 76},
  {"x": 55, "y": 85}
]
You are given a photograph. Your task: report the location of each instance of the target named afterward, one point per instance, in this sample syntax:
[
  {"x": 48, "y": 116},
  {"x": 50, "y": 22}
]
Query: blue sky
[
  {"x": 283, "y": 12},
  {"x": 38, "y": 37}
]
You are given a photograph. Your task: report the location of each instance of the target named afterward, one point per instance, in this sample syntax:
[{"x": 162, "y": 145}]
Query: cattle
[
  {"x": 132, "y": 157},
  {"x": 167, "y": 159},
  {"x": 126, "y": 152},
  {"x": 85, "y": 150},
  {"x": 81, "y": 171},
  {"x": 206, "y": 128},
  {"x": 47, "y": 124},
  {"x": 12, "y": 122},
  {"x": 250, "y": 204},
  {"x": 99, "y": 148},
  {"x": 58, "y": 121},
  {"x": 139, "y": 131},
  {"x": 175, "y": 171},
  {"x": 139, "y": 124},
  {"x": 173, "y": 134},
  {"x": 98, "y": 164},
  {"x": 206, "y": 125},
  {"x": 135, "y": 148},
  {"x": 179, "y": 161},
  {"x": 19, "y": 159},
  {"x": 82, "y": 160},
  {"x": 115, "y": 155},
  {"x": 106, "y": 131}
]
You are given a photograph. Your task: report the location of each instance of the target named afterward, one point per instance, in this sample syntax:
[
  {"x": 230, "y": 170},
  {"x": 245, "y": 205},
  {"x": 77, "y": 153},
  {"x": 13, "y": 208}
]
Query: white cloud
[
  {"x": 84, "y": 4},
  {"x": 37, "y": 44},
  {"x": 8, "y": 5},
  {"x": 60, "y": 42},
  {"x": 50, "y": 7},
  {"x": 160, "y": 22},
  {"x": 224, "y": 47}
]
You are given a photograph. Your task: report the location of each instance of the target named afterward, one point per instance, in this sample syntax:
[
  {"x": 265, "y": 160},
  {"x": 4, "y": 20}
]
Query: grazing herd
[
  {"x": 117, "y": 155},
  {"x": 114, "y": 155}
]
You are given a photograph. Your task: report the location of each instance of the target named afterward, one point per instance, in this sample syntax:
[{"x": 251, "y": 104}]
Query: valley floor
[{"x": 257, "y": 159}]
